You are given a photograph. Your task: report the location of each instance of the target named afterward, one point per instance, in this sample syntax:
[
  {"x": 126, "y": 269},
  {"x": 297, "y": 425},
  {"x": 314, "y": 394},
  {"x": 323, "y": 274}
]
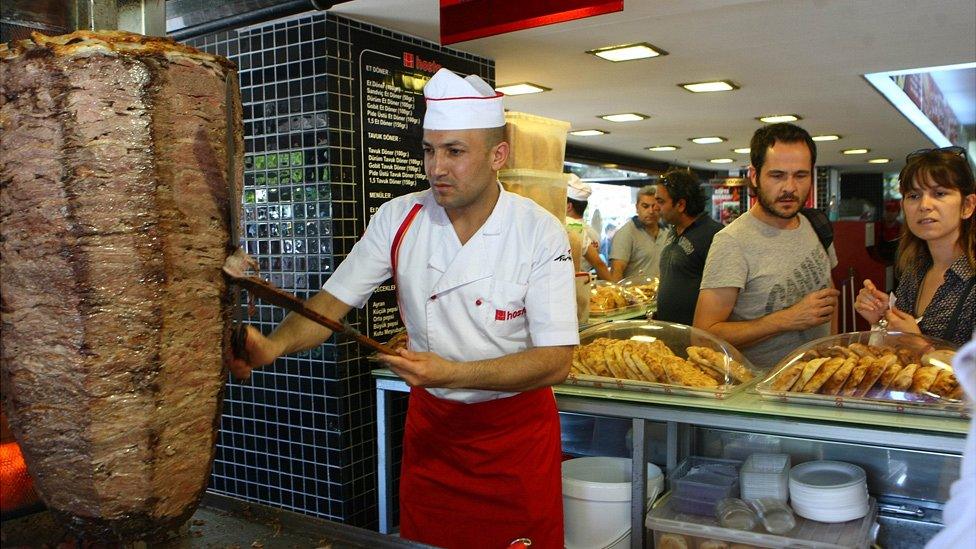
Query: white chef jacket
[
  {"x": 959, "y": 514},
  {"x": 509, "y": 288}
]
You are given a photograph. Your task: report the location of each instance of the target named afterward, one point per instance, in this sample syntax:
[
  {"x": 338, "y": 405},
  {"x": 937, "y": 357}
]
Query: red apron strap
[
  {"x": 398, "y": 237},
  {"x": 395, "y": 251}
]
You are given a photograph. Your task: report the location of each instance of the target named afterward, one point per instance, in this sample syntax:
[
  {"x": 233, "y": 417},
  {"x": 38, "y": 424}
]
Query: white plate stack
[
  {"x": 829, "y": 491},
  {"x": 765, "y": 476}
]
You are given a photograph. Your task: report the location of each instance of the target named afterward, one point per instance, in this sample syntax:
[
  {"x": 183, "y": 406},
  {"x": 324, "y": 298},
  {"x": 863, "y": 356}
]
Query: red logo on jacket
[{"x": 508, "y": 315}]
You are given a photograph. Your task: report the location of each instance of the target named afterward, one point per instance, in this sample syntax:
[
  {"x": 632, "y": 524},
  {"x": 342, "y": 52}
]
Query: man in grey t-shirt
[
  {"x": 766, "y": 288},
  {"x": 637, "y": 244}
]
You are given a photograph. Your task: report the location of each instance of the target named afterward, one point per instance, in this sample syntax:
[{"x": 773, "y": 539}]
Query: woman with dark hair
[{"x": 936, "y": 258}]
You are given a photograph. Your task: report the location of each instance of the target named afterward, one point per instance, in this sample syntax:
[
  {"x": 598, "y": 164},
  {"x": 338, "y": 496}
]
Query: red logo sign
[
  {"x": 508, "y": 315},
  {"x": 408, "y": 60}
]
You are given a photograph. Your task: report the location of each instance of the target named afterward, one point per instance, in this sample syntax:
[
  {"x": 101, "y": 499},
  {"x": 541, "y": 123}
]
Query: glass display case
[
  {"x": 896, "y": 372},
  {"x": 659, "y": 357}
]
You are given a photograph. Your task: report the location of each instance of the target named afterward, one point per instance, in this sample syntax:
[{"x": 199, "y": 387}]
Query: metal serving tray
[
  {"x": 677, "y": 337},
  {"x": 934, "y": 352}
]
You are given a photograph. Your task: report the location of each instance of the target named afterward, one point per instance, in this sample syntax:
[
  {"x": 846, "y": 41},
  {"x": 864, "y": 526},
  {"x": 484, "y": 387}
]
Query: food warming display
[
  {"x": 658, "y": 357},
  {"x": 874, "y": 370},
  {"x": 118, "y": 157},
  {"x": 628, "y": 297}
]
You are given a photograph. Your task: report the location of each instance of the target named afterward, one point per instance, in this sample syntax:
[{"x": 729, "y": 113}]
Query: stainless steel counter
[{"x": 745, "y": 411}]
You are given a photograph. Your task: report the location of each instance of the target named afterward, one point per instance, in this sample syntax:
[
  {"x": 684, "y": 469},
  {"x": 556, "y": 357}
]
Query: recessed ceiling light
[
  {"x": 624, "y": 117},
  {"x": 707, "y": 140},
  {"x": 879, "y": 160},
  {"x": 777, "y": 118},
  {"x": 663, "y": 148},
  {"x": 721, "y": 161},
  {"x": 522, "y": 88},
  {"x": 715, "y": 86},
  {"x": 826, "y": 137},
  {"x": 628, "y": 52},
  {"x": 856, "y": 151},
  {"x": 743, "y": 150},
  {"x": 587, "y": 133}
]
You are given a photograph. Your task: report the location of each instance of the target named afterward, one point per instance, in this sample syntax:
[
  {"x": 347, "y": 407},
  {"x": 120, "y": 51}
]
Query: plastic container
[
  {"x": 735, "y": 513},
  {"x": 673, "y": 529},
  {"x": 885, "y": 371},
  {"x": 765, "y": 476},
  {"x": 596, "y": 500},
  {"x": 664, "y": 361},
  {"x": 547, "y": 189},
  {"x": 536, "y": 142},
  {"x": 776, "y": 515},
  {"x": 698, "y": 484}
]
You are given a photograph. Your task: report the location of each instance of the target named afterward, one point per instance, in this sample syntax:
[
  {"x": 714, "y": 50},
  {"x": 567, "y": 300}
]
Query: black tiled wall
[{"x": 301, "y": 433}]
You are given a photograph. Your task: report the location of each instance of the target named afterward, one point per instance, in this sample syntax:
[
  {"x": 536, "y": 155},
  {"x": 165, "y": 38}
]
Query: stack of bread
[
  {"x": 608, "y": 298},
  {"x": 867, "y": 371},
  {"x": 656, "y": 362}
]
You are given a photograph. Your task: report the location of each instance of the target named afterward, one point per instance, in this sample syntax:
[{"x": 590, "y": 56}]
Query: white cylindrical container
[{"x": 596, "y": 500}]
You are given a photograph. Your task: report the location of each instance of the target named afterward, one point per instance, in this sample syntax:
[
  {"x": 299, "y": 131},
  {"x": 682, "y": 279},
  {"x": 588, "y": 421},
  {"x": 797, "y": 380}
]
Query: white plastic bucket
[{"x": 596, "y": 500}]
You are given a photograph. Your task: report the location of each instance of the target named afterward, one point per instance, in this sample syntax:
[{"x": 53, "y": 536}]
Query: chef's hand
[
  {"x": 814, "y": 309},
  {"x": 871, "y": 303},
  {"x": 420, "y": 369},
  {"x": 900, "y": 321},
  {"x": 258, "y": 351}
]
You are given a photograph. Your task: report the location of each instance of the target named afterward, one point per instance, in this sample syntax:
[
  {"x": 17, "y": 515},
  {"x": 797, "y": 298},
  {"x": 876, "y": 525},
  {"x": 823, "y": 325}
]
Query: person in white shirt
[
  {"x": 577, "y": 198},
  {"x": 486, "y": 292}
]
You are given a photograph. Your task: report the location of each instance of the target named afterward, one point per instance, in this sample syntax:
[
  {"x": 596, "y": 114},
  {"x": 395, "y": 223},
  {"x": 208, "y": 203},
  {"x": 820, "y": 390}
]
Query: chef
[{"x": 486, "y": 292}]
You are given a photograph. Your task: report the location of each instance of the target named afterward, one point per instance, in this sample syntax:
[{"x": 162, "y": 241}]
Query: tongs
[{"x": 235, "y": 269}]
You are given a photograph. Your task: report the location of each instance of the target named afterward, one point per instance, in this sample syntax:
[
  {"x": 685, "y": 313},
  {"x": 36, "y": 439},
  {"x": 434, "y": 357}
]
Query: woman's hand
[
  {"x": 900, "y": 321},
  {"x": 871, "y": 303}
]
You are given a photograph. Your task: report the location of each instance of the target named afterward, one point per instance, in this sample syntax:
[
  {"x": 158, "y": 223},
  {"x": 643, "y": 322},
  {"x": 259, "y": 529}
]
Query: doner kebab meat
[{"x": 116, "y": 167}]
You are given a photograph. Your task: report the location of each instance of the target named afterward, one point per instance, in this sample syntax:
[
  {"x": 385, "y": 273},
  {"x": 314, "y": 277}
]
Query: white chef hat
[
  {"x": 577, "y": 190},
  {"x": 455, "y": 103}
]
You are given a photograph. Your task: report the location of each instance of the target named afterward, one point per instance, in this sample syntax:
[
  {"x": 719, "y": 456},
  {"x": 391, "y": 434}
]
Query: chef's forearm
[
  {"x": 523, "y": 371},
  {"x": 297, "y": 333}
]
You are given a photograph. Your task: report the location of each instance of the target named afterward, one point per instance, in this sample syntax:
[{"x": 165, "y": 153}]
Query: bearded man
[{"x": 766, "y": 287}]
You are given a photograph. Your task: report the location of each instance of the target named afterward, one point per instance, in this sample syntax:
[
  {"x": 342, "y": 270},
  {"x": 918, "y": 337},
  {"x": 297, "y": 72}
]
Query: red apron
[{"x": 483, "y": 474}]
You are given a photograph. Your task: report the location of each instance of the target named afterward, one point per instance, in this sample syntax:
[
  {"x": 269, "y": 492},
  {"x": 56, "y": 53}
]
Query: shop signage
[{"x": 469, "y": 19}]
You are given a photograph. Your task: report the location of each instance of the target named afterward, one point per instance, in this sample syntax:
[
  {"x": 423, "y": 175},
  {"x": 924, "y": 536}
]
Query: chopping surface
[{"x": 220, "y": 522}]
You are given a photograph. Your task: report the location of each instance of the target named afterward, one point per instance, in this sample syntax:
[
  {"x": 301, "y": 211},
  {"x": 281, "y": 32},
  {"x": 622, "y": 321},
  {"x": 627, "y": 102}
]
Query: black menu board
[{"x": 389, "y": 79}]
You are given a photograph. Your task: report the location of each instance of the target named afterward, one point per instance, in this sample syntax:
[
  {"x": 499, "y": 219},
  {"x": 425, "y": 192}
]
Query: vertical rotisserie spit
[{"x": 118, "y": 157}]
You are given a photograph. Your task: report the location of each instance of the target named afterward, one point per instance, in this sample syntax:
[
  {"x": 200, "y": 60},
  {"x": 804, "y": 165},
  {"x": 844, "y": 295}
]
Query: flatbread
[
  {"x": 889, "y": 375},
  {"x": 809, "y": 369},
  {"x": 615, "y": 360},
  {"x": 944, "y": 384},
  {"x": 874, "y": 372},
  {"x": 857, "y": 375},
  {"x": 904, "y": 378},
  {"x": 860, "y": 349},
  {"x": 822, "y": 374},
  {"x": 633, "y": 357},
  {"x": 839, "y": 377},
  {"x": 788, "y": 377},
  {"x": 923, "y": 379},
  {"x": 710, "y": 358}
]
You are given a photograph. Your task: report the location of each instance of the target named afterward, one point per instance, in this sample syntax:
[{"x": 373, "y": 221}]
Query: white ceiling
[{"x": 789, "y": 56}]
